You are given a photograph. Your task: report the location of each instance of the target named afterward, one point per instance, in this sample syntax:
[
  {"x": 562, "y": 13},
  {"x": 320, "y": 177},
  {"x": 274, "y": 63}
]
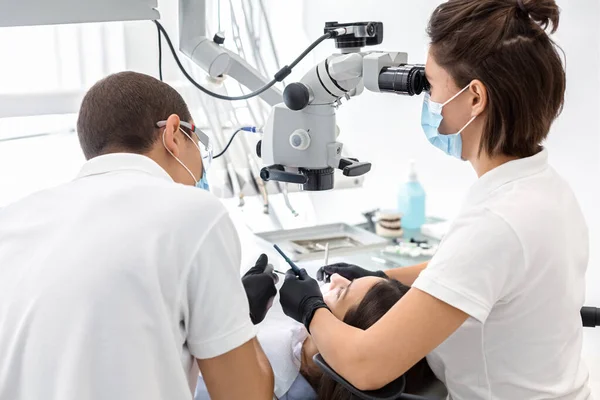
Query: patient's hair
[
  {"x": 376, "y": 303},
  {"x": 119, "y": 113}
]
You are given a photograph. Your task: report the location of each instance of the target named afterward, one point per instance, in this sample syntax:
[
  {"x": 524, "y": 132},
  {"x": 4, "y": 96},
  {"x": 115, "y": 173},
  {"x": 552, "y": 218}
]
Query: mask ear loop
[
  {"x": 199, "y": 150},
  {"x": 204, "y": 169},
  {"x": 178, "y": 160},
  {"x": 468, "y": 123},
  {"x": 452, "y": 98},
  {"x": 456, "y": 95}
]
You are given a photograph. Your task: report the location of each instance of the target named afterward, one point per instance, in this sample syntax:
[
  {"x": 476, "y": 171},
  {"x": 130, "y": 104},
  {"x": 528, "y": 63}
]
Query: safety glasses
[{"x": 206, "y": 151}]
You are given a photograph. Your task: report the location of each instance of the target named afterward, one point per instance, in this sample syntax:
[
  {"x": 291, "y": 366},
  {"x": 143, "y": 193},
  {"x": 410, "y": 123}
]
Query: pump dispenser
[{"x": 411, "y": 201}]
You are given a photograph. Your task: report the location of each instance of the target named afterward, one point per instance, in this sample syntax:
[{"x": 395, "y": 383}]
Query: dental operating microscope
[
  {"x": 300, "y": 143},
  {"x": 300, "y": 139}
]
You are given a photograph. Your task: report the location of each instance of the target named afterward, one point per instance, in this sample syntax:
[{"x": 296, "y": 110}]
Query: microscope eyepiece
[{"x": 404, "y": 79}]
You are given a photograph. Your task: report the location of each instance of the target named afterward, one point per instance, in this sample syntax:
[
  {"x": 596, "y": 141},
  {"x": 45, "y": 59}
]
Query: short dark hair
[
  {"x": 504, "y": 44},
  {"x": 119, "y": 113}
]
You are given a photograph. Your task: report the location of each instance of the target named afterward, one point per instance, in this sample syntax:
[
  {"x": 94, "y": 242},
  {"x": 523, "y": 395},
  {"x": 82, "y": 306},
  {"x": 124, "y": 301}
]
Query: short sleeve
[
  {"x": 479, "y": 262},
  {"x": 218, "y": 315}
]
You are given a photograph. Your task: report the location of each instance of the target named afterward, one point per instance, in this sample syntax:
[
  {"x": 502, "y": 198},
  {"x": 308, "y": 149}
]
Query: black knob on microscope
[
  {"x": 259, "y": 149},
  {"x": 296, "y": 96},
  {"x": 219, "y": 38}
]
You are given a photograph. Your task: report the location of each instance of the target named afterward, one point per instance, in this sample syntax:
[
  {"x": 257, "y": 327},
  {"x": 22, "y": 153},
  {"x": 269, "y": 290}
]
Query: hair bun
[{"x": 545, "y": 12}]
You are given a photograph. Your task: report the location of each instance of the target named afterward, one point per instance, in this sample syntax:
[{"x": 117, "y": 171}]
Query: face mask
[
  {"x": 431, "y": 118},
  {"x": 203, "y": 182}
]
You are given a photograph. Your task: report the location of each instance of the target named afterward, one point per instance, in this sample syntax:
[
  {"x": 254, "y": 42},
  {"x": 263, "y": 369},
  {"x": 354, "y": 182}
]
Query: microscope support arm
[{"x": 213, "y": 58}]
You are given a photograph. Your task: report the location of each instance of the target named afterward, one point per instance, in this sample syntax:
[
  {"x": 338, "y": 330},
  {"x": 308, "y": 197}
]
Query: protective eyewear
[{"x": 206, "y": 151}]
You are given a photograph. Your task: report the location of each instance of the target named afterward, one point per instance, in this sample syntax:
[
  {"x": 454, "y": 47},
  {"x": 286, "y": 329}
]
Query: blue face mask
[
  {"x": 203, "y": 183},
  {"x": 431, "y": 118}
]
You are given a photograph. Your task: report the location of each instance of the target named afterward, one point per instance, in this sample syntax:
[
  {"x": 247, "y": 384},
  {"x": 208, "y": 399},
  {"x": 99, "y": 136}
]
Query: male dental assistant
[{"x": 121, "y": 283}]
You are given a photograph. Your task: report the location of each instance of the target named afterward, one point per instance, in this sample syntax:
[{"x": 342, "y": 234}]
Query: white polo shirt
[
  {"x": 515, "y": 261},
  {"x": 112, "y": 284}
]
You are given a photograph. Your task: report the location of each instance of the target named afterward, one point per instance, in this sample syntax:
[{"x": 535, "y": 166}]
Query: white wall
[{"x": 386, "y": 129}]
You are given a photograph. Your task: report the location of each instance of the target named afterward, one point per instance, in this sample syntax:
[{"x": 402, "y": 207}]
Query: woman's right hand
[{"x": 348, "y": 271}]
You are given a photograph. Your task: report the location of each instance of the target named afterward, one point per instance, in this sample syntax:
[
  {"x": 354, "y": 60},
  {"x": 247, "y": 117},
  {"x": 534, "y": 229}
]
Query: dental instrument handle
[{"x": 287, "y": 259}]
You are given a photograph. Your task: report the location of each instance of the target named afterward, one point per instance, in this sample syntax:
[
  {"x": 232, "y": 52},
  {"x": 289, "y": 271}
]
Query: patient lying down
[{"x": 290, "y": 349}]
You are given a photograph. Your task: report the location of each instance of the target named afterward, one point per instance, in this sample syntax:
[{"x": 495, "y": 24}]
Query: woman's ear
[
  {"x": 171, "y": 137},
  {"x": 480, "y": 99}
]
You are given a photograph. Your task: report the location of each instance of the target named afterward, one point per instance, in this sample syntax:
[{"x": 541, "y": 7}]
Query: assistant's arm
[
  {"x": 406, "y": 275},
  {"x": 220, "y": 334},
  {"x": 242, "y": 373},
  {"x": 371, "y": 359}
]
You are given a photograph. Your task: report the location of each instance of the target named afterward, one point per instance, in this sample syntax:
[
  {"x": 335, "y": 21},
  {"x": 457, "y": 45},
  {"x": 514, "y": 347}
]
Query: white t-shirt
[
  {"x": 514, "y": 261},
  {"x": 112, "y": 284}
]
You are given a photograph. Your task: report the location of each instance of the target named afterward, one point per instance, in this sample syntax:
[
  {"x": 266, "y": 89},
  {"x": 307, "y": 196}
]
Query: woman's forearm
[
  {"x": 370, "y": 359},
  {"x": 406, "y": 275},
  {"x": 343, "y": 355},
  {"x": 349, "y": 356}
]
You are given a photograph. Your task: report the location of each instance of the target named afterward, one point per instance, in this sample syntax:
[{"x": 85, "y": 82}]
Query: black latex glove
[
  {"x": 300, "y": 297},
  {"x": 348, "y": 271},
  {"x": 260, "y": 289}
]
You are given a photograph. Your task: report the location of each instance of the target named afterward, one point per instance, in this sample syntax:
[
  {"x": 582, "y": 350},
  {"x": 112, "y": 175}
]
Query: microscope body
[
  {"x": 302, "y": 139},
  {"x": 302, "y": 133},
  {"x": 300, "y": 142},
  {"x": 305, "y": 143}
]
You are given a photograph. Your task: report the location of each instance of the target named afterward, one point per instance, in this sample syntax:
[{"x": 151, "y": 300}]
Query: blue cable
[{"x": 251, "y": 129}]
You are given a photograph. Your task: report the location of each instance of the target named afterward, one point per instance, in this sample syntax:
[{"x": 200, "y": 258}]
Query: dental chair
[{"x": 590, "y": 317}]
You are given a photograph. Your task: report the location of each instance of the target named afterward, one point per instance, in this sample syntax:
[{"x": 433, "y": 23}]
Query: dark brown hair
[
  {"x": 504, "y": 44},
  {"x": 119, "y": 113},
  {"x": 378, "y": 301}
]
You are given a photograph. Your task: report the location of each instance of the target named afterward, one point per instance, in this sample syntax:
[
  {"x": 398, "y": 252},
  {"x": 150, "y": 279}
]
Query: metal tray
[{"x": 309, "y": 243}]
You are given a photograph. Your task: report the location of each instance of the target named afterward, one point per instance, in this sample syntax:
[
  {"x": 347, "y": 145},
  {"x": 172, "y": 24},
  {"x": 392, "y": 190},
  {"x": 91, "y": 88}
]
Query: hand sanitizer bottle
[{"x": 411, "y": 201}]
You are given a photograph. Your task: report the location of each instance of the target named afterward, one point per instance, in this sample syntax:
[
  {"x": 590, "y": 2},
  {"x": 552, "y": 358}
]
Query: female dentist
[{"x": 497, "y": 310}]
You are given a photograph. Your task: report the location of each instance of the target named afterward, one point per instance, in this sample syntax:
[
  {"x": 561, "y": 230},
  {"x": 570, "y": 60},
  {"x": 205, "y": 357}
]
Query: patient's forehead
[
  {"x": 361, "y": 286},
  {"x": 357, "y": 291}
]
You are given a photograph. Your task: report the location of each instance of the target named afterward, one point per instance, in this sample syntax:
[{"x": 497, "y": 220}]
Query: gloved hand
[
  {"x": 300, "y": 297},
  {"x": 259, "y": 284},
  {"x": 348, "y": 271}
]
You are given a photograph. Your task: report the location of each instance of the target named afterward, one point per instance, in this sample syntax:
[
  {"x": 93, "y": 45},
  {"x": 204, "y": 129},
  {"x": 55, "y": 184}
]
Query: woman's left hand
[{"x": 300, "y": 296}]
